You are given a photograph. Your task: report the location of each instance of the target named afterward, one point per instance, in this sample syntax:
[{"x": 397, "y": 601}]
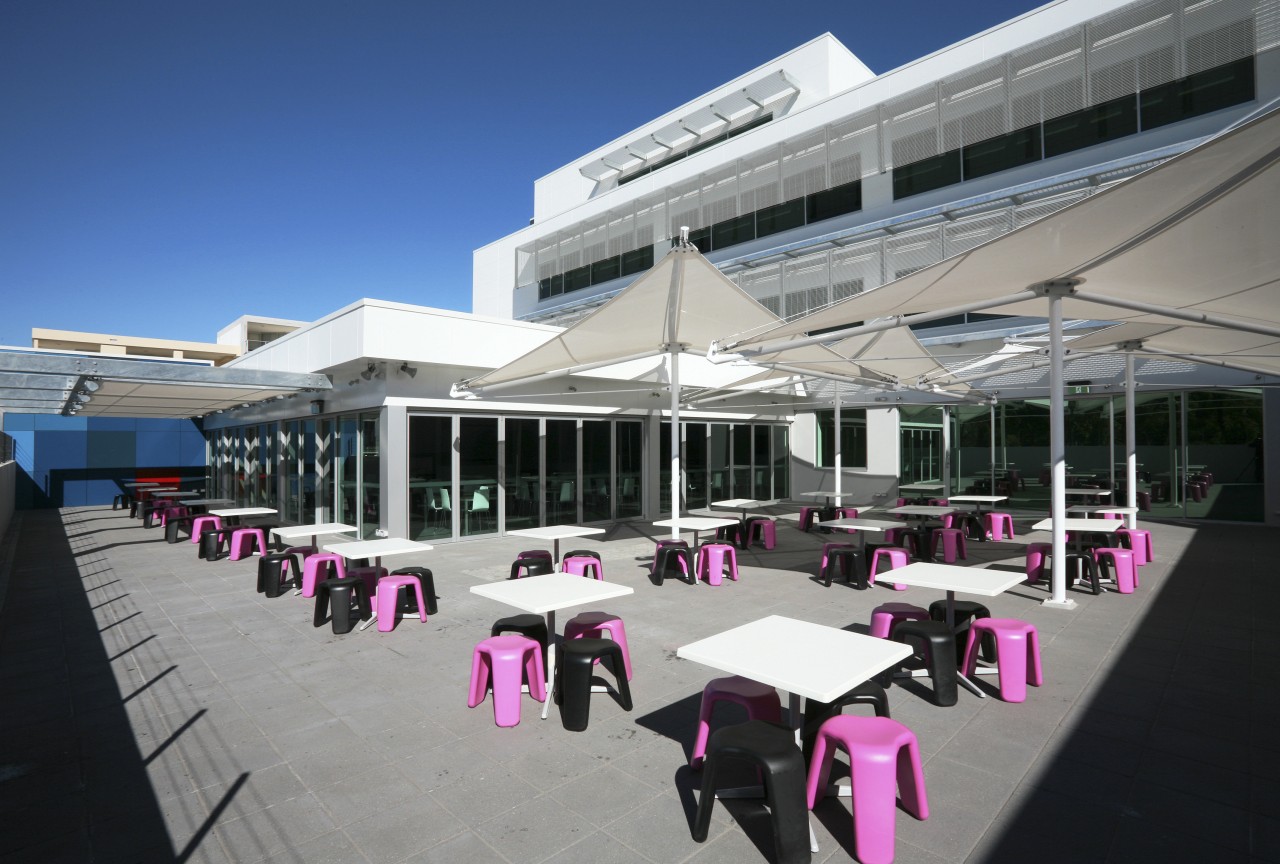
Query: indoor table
[
  {"x": 799, "y": 658},
  {"x": 966, "y": 580},
  {"x": 556, "y": 533},
  {"x": 545, "y": 595}
]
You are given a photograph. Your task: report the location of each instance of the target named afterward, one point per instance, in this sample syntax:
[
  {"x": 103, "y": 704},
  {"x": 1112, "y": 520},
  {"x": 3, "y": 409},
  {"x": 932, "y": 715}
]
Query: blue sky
[{"x": 166, "y": 167}]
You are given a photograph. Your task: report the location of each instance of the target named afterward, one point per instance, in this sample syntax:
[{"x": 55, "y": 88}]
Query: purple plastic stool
[
  {"x": 760, "y": 700},
  {"x": 712, "y": 558},
  {"x": 953, "y": 545},
  {"x": 827, "y": 549},
  {"x": 312, "y": 567},
  {"x": 895, "y": 556},
  {"x": 387, "y": 599},
  {"x": 200, "y": 523},
  {"x": 884, "y": 760},
  {"x": 884, "y": 616},
  {"x": 241, "y": 547},
  {"x": 501, "y": 663},
  {"x": 1139, "y": 540},
  {"x": 1124, "y": 562},
  {"x": 767, "y": 529},
  {"x": 995, "y": 523},
  {"x": 807, "y": 515},
  {"x": 1036, "y": 555},
  {"x": 580, "y": 564},
  {"x": 846, "y": 512},
  {"x": 1017, "y": 648},
  {"x": 593, "y": 625}
]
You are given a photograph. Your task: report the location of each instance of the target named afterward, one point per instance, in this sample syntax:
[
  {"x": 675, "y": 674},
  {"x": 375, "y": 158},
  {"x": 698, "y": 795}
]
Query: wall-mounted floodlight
[{"x": 406, "y": 369}]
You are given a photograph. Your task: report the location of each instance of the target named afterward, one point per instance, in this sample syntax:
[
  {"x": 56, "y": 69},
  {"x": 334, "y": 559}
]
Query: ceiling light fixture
[
  {"x": 406, "y": 369},
  {"x": 367, "y": 374}
]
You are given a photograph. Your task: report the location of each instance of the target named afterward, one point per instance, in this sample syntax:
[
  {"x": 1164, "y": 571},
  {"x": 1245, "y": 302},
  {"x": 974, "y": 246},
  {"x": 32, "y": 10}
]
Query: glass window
[
  {"x": 1090, "y": 126},
  {"x": 310, "y": 501},
  {"x": 926, "y": 175},
  {"x": 780, "y": 217},
  {"x": 577, "y": 279},
  {"x": 702, "y": 239},
  {"x": 694, "y": 464},
  {"x": 603, "y": 271},
  {"x": 370, "y": 479},
  {"x": 523, "y": 486},
  {"x": 853, "y": 438},
  {"x": 478, "y": 477},
  {"x": 562, "y": 472},
  {"x": 1002, "y": 152},
  {"x": 630, "y": 462},
  {"x": 1220, "y": 87},
  {"x": 781, "y": 462},
  {"x": 637, "y": 260},
  {"x": 325, "y": 450},
  {"x": 836, "y": 201},
  {"x": 430, "y": 477},
  {"x": 741, "y": 476},
  {"x": 718, "y": 461},
  {"x": 597, "y": 485},
  {"x": 290, "y": 473},
  {"x": 761, "y": 481},
  {"x": 732, "y": 231},
  {"x": 346, "y": 465}
]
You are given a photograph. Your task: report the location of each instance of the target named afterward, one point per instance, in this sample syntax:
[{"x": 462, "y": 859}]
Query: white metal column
[
  {"x": 1057, "y": 450},
  {"x": 677, "y": 485},
  {"x": 839, "y": 466},
  {"x": 1130, "y": 439}
]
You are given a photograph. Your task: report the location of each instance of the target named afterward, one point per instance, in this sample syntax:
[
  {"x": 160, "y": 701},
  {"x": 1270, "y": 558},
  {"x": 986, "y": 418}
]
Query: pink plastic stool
[
  {"x": 995, "y": 523},
  {"x": 895, "y": 557},
  {"x": 1139, "y": 540},
  {"x": 760, "y": 700},
  {"x": 884, "y": 616},
  {"x": 846, "y": 512},
  {"x": 387, "y": 599},
  {"x": 241, "y": 547},
  {"x": 767, "y": 529},
  {"x": 807, "y": 516},
  {"x": 712, "y": 558},
  {"x": 1036, "y": 555},
  {"x": 200, "y": 523},
  {"x": 1123, "y": 561},
  {"x": 172, "y": 511},
  {"x": 953, "y": 545},
  {"x": 312, "y": 567},
  {"x": 884, "y": 760},
  {"x": 502, "y": 663},
  {"x": 593, "y": 625},
  {"x": 1017, "y": 648},
  {"x": 579, "y": 565}
]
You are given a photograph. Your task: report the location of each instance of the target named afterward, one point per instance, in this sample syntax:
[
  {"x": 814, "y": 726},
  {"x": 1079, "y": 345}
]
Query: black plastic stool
[
  {"x": 1091, "y": 573},
  {"x": 582, "y": 553},
  {"x": 966, "y": 612},
  {"x": 271, "y": 573},
  {"x": 176, "y": 524},
  {"x": 532, "y": 566},
  {"x": 817, "y": 713},
  {"x": 133, "y": 508},
  {"x": 574, "y": 671},
  {"x": 748, "y": 531},
  {"x": 934, "y": 641},
  {"x": 211, "y": 540},
  {"x": 917, "y": 540},
  {"x": 530, "y": 626},
  {"x": 342, "y": 595},
  {"x": 730, "y": 533},
  {"x": 428, "y": 582},
  {"x": 852, "y": 568},
  {"x": 772, "y": 749},
  {"x": 667, "y": 562},
  {"x": 119, "y": 502}
]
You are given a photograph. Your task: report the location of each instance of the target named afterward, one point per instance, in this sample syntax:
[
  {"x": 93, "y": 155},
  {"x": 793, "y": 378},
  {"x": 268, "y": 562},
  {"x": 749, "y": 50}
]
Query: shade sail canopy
[
  {"x": 1194, "y": 235},
  {"x": 1250, "y": 352},
  {"x": 680, "y": 305},
  {"x": 95, "y": 386}
]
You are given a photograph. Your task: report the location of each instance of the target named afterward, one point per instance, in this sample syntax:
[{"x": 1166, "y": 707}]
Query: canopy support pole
[
  {"x": 839, "y": 470},
  {"x": 1179, "y": 314},
  {"x": 992, "y": 415},
  {"x": 1057, "y": 447},
  {"x": 1130, "y": 440},
  {"x": 677, "y": 482}
]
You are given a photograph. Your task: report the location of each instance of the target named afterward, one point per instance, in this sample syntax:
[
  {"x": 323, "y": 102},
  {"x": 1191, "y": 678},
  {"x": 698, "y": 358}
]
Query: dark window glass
[
  {"x": 779, "y": 217},
  {"x": 637, "y": 260},
  {"x": 1090, "y": 126},
  {"x": 1002, "y": 152},
  {"x": 702, "y": 239},
  {"x": 609, "y": 268},
  {"x": 926, "y": 175},
  {"x": 732, "y": 231},
  {"x": 836, "y": 201},
  {"x": 557, "y": 285},
  {"x": 577, "y": 279},
  {"x": 544, "y": 288},
  {"x": 1220, "y": 87}
]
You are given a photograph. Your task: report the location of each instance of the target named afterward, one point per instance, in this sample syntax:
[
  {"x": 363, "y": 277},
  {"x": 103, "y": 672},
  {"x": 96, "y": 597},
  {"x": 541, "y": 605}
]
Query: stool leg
[
  {"x": 702, "y": 819},
  {"x": 506, "y": 692},
  {"x": 911, "y": 781},
  {"x": 819, "y": 770},
  {"x": 703, "y": 733},
  {"x": 479, "y": 678},
  {"x": 1033, "y": 659},
  {"x": 1011, "y": 653},
  {"x": 575, "y": 707},
  {"x": 784, "y": 790},
  {"x": 322, "y": 606},
  {"x": 874, "y": 807}
]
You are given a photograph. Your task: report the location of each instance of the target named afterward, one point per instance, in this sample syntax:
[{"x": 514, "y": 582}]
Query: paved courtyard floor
[{"x": 154, "y": 707}]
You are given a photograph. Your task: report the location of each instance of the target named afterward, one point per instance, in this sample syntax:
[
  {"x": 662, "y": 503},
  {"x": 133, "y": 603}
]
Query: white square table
[
  {"x": 292, "y": 532},
  {"x": 174, "y": 494},
  {"x": 205, "y": 502},
  {"x": 556, "y": 533},
  {"x": 1129, "y": 514},
  {"x": 376, "y": 549},
  {"x": 545, "y": 595},
  {"x": 743, "y": 505},
  {"x": 238, "y": 513},
  {"x": 966, "y": 580},
  {"x": 860, "y": 525},
  {"x": 977, "y": 501},
  {"x": 923, "y": 490},
  {"x": 1079, "y": 527},
  {"x": 696, "y": 524},
  {"x": 801, "y": 659}
]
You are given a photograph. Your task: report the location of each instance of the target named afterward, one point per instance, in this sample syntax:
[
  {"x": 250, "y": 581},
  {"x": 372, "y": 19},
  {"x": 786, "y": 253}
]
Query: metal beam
[{"x": 159, "y": 373}]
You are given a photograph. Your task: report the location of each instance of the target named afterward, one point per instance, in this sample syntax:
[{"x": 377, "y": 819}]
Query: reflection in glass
[
  {"x": 597, "y": 489},
  {"x": 741, "y": 462},
  {"x": 523, "y": 487},
  {"x": 370, "y": 481},
  {"x": 718, "y": 462},
  {"x": 630, "y": 464},
  {"x": 346, "y": 469},
  {"x": 478, "y": 481},
  {"x": 430, "y": 477},
  {"x": 694, "y": 464},
  {"x": 562, "y": 472}
]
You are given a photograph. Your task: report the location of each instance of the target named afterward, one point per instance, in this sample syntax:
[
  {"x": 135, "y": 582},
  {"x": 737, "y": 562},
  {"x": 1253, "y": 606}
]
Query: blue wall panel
[
  {"x": 75, "y": 493},
  {"x": 157, "y": 448}
]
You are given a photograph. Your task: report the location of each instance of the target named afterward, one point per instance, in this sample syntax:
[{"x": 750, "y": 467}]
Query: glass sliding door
[
  {"x": 346, "y": 470},
  {"x": 562, "y": 472},
  {"x": 741, "y": 474},
  {"x": 523, "y": 479},
  {"x": 630, "y": 468},
  {"x": 430, "y": 477},
  {"x": 370, "y": 480},
  {"x": 478, "y": 477},
  {"x": 694, "y": 464},
  {"x": 782, "y": 462},
  {"x": 291, "y": 473},
  {"x": 325, "y": 449},
  {"x": 718, "y": 462},
  {"x": 307, "y": 451},
  {"x": 597, "y": 480},
  {"x": 1223, "y": 465},
  {"x": 761, "y": 476}
]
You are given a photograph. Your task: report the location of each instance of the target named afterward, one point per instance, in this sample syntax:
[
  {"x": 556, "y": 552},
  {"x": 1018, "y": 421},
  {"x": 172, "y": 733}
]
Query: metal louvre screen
[
  {"x": 595, "y": 244},
  {"x": 964, "y": 234},
  {"x": 804, "y": 165},
  {"x": 912, "y": 250},
  {"x": 622, "y": 234},
  {"x": 1025, "y": 214},
  {"x": 764, "y": 284},
  {"x": 1266, "y": 26},
  {"x": 548, "y": 257},
  {"x": 805, "y": 284},
  {"x": 683, "y": 208},
  {"x": 526, "y": 265},
  {"x": 759, "y": 180},
  {"x": 853, "y": 148},
  {"x": 973, "y": 105},
  {"x": 1218, "y": 32},
  {"x": 571, "y": 253},
  {"x": 719, "y": 195},
  {"x": 1131, "y": 48},
  {"x": 651, "y": 221},
  {"x": 855, "y": 268},
  {"x": 912, "y": 126},
  {"x": 1048, "y": 78}
]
